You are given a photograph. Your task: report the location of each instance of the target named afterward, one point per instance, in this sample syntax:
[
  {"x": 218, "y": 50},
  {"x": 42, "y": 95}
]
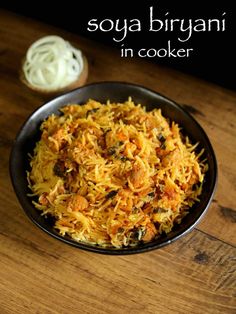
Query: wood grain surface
[{"x": 196, "y": 274}]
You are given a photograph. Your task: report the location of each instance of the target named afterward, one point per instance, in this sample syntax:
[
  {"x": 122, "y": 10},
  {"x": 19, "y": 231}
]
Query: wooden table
[{"x": 39, "y": 274}]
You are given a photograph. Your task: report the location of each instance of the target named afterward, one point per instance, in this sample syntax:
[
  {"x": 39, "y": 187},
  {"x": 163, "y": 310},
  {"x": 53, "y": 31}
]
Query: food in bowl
[
  {"x": 53, "y": 65},
  {"x": 114, "y": 174}
]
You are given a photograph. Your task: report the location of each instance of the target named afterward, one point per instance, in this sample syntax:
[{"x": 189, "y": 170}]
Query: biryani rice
[{"x": 114, "y": 174}]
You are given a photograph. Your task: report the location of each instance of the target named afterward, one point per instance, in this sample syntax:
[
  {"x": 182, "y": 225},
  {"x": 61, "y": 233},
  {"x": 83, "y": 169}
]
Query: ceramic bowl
[{"x": 117, "y": 92}]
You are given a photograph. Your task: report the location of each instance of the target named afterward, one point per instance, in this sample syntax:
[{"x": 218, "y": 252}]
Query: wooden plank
[
  {"x": 212, "y": 106},
  {"x": 196, "y": 274}
]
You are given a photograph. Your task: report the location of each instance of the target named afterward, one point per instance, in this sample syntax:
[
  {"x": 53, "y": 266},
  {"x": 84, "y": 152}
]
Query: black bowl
[{"x": 115, "y": 91}]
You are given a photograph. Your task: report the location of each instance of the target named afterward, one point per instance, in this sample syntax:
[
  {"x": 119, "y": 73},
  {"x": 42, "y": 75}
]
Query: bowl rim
[{"x": 98, "y": 249}]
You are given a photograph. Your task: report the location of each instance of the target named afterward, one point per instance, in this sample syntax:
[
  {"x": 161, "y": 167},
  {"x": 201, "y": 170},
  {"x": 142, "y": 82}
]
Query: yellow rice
[{"x": 114, "y": 174}]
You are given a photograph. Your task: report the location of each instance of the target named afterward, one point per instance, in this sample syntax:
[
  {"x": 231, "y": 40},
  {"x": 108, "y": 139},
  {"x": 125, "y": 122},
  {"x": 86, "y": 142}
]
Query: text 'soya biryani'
[{"x": 114, "y": 174}]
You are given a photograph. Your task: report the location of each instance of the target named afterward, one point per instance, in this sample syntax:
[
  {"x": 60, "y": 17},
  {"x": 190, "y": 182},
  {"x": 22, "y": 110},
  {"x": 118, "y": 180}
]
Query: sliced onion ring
[{"x": 52, "y": 63}]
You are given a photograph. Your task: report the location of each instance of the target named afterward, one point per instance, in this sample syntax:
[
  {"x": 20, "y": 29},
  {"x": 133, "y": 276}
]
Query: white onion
[{"x": 52, "y": 63}]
